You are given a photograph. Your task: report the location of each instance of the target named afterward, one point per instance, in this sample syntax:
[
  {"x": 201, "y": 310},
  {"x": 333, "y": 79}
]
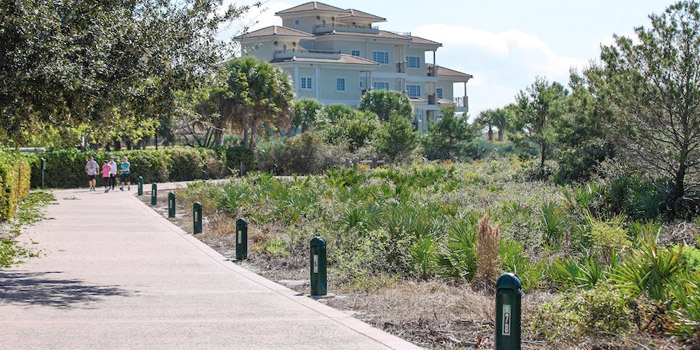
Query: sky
[{"x": 504, "y": 44}]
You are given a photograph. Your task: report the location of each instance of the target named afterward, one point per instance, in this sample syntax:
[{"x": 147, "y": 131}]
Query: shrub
[
  {"x": 513, "y": 259},
  {"x": 569, "y": 273},
  {"x": 423, "y": 256},
  {"x": 66, "y": 168},
  {"x": 458, "y": 258},
  {"x": 607, "y": 237},
  {"x": 15, "y": 180},
  {"x": 307, "y": 154},
  {"x": 600, "y": 312}
]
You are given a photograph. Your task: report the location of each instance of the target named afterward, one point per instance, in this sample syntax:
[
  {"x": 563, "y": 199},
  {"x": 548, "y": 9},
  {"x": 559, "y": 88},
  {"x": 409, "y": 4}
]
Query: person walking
[
  {"x": 91, "y": 169},
  {"x": 112, "y": 172},
  {"x": 126, "y": 173},
  {"x": 105, "y": 174}
]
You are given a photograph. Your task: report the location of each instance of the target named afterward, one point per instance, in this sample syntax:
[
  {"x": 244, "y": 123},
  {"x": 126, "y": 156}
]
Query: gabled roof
[
  {"x": 276, "y": 31},
  {"x": 344, "y": 59},
  {"x": 447, "y": 72},
  {"x": 311, "y": 6},
  {"x": 352, "y": 13}
]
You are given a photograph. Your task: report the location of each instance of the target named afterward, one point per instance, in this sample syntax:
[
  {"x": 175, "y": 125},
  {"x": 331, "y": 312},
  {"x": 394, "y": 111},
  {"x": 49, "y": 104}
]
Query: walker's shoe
[
  {"x": 121, "y": 188},
  {"x": 107, "y": 190},
  {"x": 129, "y": 188}
]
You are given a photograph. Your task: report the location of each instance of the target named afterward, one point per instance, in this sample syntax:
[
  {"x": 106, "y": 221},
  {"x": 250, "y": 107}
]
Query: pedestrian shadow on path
[{"x": 48, "y": 289}]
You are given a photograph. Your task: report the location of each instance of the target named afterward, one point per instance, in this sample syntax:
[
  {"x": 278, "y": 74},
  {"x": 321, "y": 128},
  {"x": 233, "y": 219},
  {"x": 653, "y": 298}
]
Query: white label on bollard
[
  {"x": 506, "y": 319},
  {"x": 315, "y": 263},
  {"x": 239, "y": 237}
]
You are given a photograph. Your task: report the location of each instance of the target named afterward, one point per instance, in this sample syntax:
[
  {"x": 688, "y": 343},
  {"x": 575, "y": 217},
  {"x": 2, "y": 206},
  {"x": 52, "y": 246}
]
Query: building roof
[
  {"x": 447, "y": 72},
  {"x": 311, "y": 6},
  {"x": 382, "y": 34},
  {"x": 423, "y": 41},
  {"x": 352, "y": 13},
  {"x": 442, "y": 101},
  {"x": 276, "y": 31},
  {"x": 344, "y": 59}
]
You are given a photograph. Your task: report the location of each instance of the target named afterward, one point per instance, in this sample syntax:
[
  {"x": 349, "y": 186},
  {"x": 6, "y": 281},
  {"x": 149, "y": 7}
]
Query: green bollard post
[
  {"x": 171, "y": 205},
  {"x": 154, "y": 194},
  {"x": 508, "y": 295},
  {"x": 140, "y": 192},
  {"x": 204, "y": 175},
  {"x": 43, "y": 170},
  {"x": 319, "y": 284},
  {"x": 197, "y": 217},
  {"x": 241, "y": 239}
]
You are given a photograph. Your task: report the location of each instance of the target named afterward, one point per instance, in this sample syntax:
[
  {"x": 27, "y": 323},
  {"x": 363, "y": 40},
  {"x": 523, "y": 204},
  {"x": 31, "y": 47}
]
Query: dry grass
[{"x": 487, "y": 252}]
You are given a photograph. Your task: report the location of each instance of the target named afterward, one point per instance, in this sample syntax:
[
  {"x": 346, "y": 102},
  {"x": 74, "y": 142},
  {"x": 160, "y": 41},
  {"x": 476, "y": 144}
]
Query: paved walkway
[{"x": 113, "y": 274}]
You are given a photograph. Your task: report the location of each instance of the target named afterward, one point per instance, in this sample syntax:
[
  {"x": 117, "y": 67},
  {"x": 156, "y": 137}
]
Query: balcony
[
  {"x": 304, "y": 53},
  {"x": 462, "y": 103},
  {"x": 401, "y": 67},
  {"x": 321, "y": 29},
  {"x": 432, "y": 99},
  {"x": 432, "y": 72}
]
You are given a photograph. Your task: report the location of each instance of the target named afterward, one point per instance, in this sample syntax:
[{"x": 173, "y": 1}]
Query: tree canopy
[
  {"x": 72, "y": 62},
  {"x": 384, "y": 103}
]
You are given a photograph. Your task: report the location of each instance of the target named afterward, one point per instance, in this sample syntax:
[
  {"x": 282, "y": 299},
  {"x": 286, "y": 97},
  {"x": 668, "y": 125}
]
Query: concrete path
[{"x": 113, "y": 274}]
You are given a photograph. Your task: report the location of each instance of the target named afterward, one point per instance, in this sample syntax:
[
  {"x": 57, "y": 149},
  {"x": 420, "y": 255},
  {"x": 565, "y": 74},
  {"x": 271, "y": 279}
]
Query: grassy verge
[
  {"x": 407, "y": 252},
  {"x": 29, "y": 212}
]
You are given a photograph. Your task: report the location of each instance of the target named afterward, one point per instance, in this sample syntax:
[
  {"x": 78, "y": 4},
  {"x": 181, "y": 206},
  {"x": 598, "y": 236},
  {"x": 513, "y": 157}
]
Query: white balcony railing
[{"x": 462, "y": 102}]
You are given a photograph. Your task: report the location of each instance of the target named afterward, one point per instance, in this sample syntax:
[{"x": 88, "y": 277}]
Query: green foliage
[
  {"x": 262, "y": 97},
  {"x": 458, "y": 257},
  {"x": 448, "y": 138},
  {"x": 650, "y": 269},
  {"x": 645, "y": 81},
  {"x": 607, "y": 237},
  {"x": 386, "y": 103},
  {"x": 306, "y": 114},
  {"x": 571, "y": 274},
  {"x": 396, "y": 138},
  {"x": 15, "y": 179},
  {"x": 306, "y": 154},
  {"x": 63, "y": 70},
  {"x": 423, "y": 256},
  {"x": 513, "y": 259},
  {"x": 343, "y": 125},
  {"x": 538, "y": 110},
  {"x": 602, "y": 312},
  {"x": 66, "y": 168},
  {"x": 686, "y": 308},
  {"x": 554, "y": 223}
]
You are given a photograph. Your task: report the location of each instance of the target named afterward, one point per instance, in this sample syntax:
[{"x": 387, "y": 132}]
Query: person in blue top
[{"x": 126, "y": 173}]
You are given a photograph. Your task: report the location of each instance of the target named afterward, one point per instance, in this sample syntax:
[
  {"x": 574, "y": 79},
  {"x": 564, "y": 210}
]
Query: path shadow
[{"x": 47, "y": 289}]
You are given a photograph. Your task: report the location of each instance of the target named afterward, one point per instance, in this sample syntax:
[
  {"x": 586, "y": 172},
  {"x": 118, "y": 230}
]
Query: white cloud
[{"x": 502, "y": 63}]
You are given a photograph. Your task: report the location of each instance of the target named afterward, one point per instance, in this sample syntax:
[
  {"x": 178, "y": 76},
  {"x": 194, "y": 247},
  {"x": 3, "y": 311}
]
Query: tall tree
[
  {"x": 448, "y": 137},
  {"x": 396, "y": 138},
  {"x": 583, "y": 132},
  {"x": 654, "y": 88},
  {"x": 538, "y": 109},
  {"x": 341, "y": 124},
  {"x": 486, "y": 118},
  {"x": 501, "y": 120},
  {"x": 306, "y": 113},
  {"x": 384, "y": 103},
  {"x": 263, "y": 97},
  {"x": 67, "y": 63}
]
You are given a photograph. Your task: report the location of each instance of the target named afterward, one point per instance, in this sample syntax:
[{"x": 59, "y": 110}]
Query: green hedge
[
  {"x": 66, "y": 168},
  {"x": 15, "y": 179}
]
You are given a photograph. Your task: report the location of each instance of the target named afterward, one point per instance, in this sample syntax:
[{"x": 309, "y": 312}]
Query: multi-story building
[{"x": 335, "y": 55}]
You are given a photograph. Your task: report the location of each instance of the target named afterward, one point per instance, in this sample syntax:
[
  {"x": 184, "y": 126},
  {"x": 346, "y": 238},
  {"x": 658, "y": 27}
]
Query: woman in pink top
[{"x": 105, "y": 175}]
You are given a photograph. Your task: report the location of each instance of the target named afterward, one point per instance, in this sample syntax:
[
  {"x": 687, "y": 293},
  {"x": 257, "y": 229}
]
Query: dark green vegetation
[
  {"x": 15, "y": 179},
  {"x": 620, "y": 268}
]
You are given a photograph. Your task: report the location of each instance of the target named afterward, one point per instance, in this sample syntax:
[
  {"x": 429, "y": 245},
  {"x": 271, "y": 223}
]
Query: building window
[
  {"x": 438, "y": 92},
  {"x": 306, "y": 83},
  {"x": 296, "y": 22},
  {"x": 380, "y": 85},
  {"x": 381, "y": 57},
  {"x": 413, "y": 91},
  {"x": 413, "y": 61},
  {"x": 340, "y": 84},
  {"x": 356, "y": 53}
]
